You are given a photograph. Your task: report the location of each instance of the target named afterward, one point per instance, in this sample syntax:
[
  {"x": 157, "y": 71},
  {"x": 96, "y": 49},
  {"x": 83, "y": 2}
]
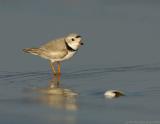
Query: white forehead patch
[{"x": 72, "y": 35}]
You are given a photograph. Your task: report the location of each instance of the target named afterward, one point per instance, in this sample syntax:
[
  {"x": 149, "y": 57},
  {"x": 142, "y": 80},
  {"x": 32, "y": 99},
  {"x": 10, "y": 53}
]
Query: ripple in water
[{"x": 82, "y": 73}]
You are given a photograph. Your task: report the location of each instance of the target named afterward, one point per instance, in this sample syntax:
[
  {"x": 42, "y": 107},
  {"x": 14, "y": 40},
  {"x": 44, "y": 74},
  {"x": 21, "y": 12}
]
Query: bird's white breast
[{"x": 69, "y": 55}]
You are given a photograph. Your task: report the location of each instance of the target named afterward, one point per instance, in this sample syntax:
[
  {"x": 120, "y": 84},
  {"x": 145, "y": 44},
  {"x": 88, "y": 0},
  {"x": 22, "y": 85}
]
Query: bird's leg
[
  {"x": 59, "y": 68},
  {"x": 52, "y": 67}
]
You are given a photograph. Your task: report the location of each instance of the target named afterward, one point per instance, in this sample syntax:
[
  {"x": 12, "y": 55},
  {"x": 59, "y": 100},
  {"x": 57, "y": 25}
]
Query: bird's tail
[{"x": 34, "y": 51}]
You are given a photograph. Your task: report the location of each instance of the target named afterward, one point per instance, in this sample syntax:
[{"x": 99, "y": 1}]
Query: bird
[{"x": 57, "y": 50}]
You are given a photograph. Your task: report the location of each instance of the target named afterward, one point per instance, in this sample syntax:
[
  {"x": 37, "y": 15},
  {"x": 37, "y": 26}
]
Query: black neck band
[{"x": 69, "y": 48}]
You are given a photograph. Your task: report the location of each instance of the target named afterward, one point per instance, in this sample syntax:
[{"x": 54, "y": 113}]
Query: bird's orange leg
[
  {"x": 52, "y": 67},
  {"x": 59, "y": 68}
]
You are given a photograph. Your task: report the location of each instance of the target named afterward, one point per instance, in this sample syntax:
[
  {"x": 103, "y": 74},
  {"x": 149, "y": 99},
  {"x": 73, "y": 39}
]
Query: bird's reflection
[{"x": 58, "y": 97}]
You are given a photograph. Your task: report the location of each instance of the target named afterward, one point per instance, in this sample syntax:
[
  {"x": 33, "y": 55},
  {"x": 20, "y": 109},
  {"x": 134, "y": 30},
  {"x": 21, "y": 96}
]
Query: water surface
[{"x": 21, "y": 103}]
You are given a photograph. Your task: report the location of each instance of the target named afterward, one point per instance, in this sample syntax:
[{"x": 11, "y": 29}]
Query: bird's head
[{"x": 74, "y": 41}]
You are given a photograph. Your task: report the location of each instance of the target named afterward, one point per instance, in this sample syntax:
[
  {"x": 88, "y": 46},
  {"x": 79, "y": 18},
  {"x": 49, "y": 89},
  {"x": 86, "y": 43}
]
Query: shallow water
[{"x": 21, "y": 103}]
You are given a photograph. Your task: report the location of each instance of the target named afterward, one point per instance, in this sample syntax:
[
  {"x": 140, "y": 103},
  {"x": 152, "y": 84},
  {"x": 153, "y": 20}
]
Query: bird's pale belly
[{"x": 68, "y": 56}]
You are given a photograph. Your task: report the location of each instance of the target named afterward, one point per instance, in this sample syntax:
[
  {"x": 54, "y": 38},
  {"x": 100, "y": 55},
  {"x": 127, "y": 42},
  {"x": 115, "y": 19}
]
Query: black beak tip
[{"x": 82, "y": 43}]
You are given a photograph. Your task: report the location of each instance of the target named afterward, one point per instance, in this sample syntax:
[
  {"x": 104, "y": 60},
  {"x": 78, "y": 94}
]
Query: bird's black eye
[{"x": 72, "y": 39}]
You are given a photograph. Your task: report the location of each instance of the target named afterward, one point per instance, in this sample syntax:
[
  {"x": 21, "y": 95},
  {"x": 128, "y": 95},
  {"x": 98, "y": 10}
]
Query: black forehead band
[{"x": 78, "y": 36}]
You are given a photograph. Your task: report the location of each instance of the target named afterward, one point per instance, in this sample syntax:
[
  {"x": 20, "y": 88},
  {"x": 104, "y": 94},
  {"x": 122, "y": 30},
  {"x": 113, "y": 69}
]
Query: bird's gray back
[{"x": 54, "y": 45}]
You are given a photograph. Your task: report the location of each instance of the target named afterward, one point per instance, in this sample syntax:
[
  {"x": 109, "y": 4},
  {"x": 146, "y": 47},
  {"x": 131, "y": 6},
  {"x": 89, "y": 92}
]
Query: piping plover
[{"x": 58, "y": 50}]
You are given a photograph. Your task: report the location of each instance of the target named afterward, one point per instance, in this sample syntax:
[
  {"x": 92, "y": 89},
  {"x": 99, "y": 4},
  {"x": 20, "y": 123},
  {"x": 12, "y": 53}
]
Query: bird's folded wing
[
  {"x": 58, "y": 45},
  {"x": 55, "y": 54}
]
